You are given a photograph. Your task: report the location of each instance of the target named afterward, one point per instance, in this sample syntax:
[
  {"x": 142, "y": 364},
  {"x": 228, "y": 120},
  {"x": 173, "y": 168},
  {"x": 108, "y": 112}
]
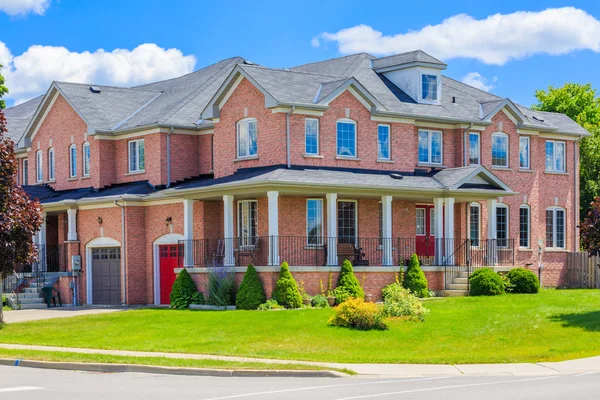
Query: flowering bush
[
  {"x": 320, "y": 301},
  {"x": 400, "y": 302},
  {"x": 270, "y": 305},
  {"x": 356, "y": 314}
]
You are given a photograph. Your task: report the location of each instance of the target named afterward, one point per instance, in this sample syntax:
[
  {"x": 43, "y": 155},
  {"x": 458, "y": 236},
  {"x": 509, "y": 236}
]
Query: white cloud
[
  {"x": 17, "y": 7},
  {"x": 29, "y": 74},
  {"x": 479, "y": 81},
  {"x": 496, "y": 39}
]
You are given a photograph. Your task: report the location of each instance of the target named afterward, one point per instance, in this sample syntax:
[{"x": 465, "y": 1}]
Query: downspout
[
  {"x": 465, "y": 159},
  {"x": 576, "y": 216},
  {"x": 123, "y": 251},
  {"x": 169, "y": 157},
  {"x": 287, "y": 135}
]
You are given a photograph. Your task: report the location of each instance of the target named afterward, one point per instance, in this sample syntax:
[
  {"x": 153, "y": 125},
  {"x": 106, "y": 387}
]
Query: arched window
[
  {"x": 555, "y": 228},
  {"x": 39, "y": 170},
  {"x": 51, "y": 175},
  {"x": 474, "y": 224},
  {"x": 73, "y": 161},
  {"x": 86, "y": 159},
  {"x": 346, "y": 138},
  {"x": 524, "y": 226},
  {"x": 500, "y": 149}
]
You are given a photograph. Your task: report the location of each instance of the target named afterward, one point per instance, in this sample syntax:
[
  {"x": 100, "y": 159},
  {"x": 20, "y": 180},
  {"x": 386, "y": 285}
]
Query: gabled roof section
[
  {"x": 18, "y": 117},
  {"x": 469, "y": 177},
  {"x": 356, "y": 88},
  {"x": 406, "y": 59},
  {"x": 489, "y": 109}
]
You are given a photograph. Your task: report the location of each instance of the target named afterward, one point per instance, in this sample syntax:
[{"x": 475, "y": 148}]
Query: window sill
[
  {"x": 556, "y": 173},
  {"x": 385, "y": 161},
  {"x": 430, "y": 165},
  {"x": 525, "y": 249},
  {"x": 72, "y": 179},
  {"x": 348, "y": 158},
  {"x": 526, "y": 170},
  {"x": 312, "y": 156},
  {"x": 136, "y": 172},
  {"x": 85, "y": 177},
  {"x": 553, "y": 250},
  {"x": 501, "y": 168},
  {"x": 51, "y": 181},
  {"x": 314, "y": 247},
  {"x": 245, "y": 158}
]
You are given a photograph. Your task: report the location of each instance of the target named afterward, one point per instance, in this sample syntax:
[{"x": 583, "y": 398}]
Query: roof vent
[
  {"x": 95, "y": 89},
  {"x": 537, "y": 119},
  {"x": 454, "y": 99},
  {"x": 397, "y": 176}
]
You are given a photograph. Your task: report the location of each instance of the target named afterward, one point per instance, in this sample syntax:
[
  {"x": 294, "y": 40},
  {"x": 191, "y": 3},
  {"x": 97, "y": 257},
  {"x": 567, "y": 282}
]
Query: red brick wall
[
  {"x": 205, "y": 154},
  {"x": 185, "y": 162},
  {"x": 155, "y": 160}
]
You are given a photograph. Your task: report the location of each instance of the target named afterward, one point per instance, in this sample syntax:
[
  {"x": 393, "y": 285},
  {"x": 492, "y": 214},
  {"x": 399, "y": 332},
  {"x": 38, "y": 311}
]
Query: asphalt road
[{"x": 28, "y": 383}]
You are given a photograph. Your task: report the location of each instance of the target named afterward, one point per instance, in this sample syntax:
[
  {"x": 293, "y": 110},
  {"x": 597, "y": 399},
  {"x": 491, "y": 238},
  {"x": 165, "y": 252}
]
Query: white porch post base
[
  {"x": 229, "y": 259},
  {"x": 188, "y": 232},
  {"x": 332, "y": 257},
  {"x": 273, "y": 198}
]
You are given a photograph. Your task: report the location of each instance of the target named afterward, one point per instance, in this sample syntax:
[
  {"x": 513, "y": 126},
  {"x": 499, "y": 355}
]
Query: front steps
[
  {"x": 459, "y": 286},
  {"x": 29, "y": 298}
]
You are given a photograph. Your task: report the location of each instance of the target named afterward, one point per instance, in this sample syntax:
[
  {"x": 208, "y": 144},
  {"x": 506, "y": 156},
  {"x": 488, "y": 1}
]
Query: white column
[
  {"x": 449, "y": 230},
  {"x": 42, "y": 243},
  {"x": 72, "y": 224},
  {"x": 386, "y": 207},
  {"x": 331, "y": 229},
  {"x": 492, "y": 253},
  {"x": 188, "y": 232},
  {"x": 228, "y": 229},
  {"x": 438, "y": 222},
  {"x": 273, "y": 198}
]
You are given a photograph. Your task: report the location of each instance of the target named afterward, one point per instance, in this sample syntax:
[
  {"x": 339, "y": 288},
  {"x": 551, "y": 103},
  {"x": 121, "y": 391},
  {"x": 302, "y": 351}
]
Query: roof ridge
[
  {"x": 335, "y": 58},
  {"x": 107, "y": 86},
  {"x": 293, "y": 71},
  {"x": 354, "y": 66},
  {"x": 409, "y": 52},
  {"x": 472, "y": 87},
  {"x": 492, "y": 101}
]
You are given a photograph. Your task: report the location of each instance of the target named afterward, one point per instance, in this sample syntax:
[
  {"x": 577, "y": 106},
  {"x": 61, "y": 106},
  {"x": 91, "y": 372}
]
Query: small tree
[
  {"x": 590, "y": 229},
  {"x": 286, "y": 291},
  {"x": 184, "y": 291},
  {"x": 20, "y": 218},
  {"x": 348, "y": 280},
  {"x": 251, "y": 293},
  {"x": 414, "y": 279}
]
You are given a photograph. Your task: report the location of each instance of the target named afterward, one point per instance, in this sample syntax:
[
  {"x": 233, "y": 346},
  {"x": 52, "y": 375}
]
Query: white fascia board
[{"x": 358, "y": 91}]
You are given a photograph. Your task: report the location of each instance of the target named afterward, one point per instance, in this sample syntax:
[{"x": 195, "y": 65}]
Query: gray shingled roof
[
  {"x": 416, "y": 56},
  {"x": 18, "y": 117}
]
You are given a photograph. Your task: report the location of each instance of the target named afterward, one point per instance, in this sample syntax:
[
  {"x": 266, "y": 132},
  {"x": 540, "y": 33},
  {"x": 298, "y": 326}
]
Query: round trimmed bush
[
  {"x": 356, "y": 314},
  {"x": 251, "y": 293},
  {"x": 523, "y": 281},
  {"x": 414, "y": 279},
  {"x": 485, "y": 282},
  {"x": 286, "y": 291}
]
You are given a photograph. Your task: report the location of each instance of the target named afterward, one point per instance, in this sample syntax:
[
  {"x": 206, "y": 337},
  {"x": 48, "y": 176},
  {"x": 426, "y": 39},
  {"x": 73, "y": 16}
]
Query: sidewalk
[{"x": 584, "y": 365}]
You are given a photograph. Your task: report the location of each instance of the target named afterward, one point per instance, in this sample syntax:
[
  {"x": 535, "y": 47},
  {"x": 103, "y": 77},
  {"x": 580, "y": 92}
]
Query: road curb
[{"x": 154, "y": 369}]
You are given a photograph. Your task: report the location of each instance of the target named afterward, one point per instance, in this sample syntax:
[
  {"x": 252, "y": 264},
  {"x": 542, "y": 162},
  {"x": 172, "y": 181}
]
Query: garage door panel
[{"x": 106, "y": 275}]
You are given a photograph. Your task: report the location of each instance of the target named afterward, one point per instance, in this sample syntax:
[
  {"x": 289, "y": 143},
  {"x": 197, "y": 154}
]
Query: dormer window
[{"x": 429, "y": 87}]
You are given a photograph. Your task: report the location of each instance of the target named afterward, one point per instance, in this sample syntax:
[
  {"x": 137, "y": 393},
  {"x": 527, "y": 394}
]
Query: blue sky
[{"x": 282, "y": 34}]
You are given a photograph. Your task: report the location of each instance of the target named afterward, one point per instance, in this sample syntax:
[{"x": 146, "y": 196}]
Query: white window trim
[
  {"x": 478, "y": 148},
  {"x": 502, "y": 205},
  {"x": 564, "y": 144},
  {"x": 39, "y": 168},
  {"x": 71, "y": 148},
  {"x": 237, "y": 136},
  {"x": 502, "y": 134},
  {"x": 438, "y": 88},
  {"x": 318, "y": 136},
  {"x": 51, "y": 165},
  {"x": 25, "y": 172},
  {"x": 554, "y": 230},
  {"x": 346, "y": 121},
  {"x": 137, "y": 154},
  {"x": 355, "y": 218},
  {"x": 474, "y": 204},
  {"x": 84, "y": 172},
  {"x": 429, "y": 156},
  {"x": 239, "y": 222},
  {"x": 528, "y": 153},
  {"x": 389, "y": 157},
  {"x": 320, "y": 244},
  {"x": 525, "y": 206}
]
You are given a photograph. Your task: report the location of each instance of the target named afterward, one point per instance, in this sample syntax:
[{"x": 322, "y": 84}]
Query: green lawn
[{"x": 551, "y": 326}]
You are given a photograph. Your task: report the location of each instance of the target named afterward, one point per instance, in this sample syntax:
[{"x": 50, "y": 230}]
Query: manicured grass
[
  {"x": 551, "y": 326},
  {"x": 156, "y": 361}
]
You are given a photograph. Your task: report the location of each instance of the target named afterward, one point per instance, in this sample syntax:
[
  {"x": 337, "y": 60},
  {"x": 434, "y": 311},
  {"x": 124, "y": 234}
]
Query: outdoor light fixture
[
  {"x": 100, "y": 220},
  {"x": 168, "y": 221}
]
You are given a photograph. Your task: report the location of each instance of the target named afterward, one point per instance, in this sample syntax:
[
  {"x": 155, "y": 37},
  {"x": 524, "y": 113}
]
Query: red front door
[
  {"x": 425, "y": 240},
  {"x": 168, "y": 262}
]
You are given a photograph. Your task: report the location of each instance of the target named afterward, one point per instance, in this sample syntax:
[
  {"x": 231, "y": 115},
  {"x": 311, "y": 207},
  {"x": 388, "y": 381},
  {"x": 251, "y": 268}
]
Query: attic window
[
  {"x": 429, "y": 87},
  {"x": 95, "y": 89}
]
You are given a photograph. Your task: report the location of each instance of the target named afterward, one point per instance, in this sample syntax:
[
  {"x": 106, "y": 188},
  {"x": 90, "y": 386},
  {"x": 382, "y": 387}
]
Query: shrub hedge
[
  {"x": 523, "y": 281},
  {"x": 184, "y": 291},
  {"x": 286, "y": 291},
  {"x": 485, "y": 282},
  {"x": 251, "y": 293},
  {"x": 414, "y": 278}
]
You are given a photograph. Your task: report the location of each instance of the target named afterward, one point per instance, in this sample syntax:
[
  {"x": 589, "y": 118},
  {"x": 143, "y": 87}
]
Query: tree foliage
[
  {"x": 414, "y": 279},
  {"x": 184, "y": 291},
  {"x": 20, "y": 218},
  {"x": 348, "y": 280},
  {"x": 590, "y": 229},
  {"x": 582, "y": 104}
]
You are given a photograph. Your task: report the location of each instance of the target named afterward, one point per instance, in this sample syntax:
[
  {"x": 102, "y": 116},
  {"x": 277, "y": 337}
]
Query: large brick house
[{"x": 369, "y": 159}]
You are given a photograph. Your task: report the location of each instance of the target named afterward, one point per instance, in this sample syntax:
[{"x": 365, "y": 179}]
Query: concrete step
[
  {"x": 462, "y": 281},
  {"x": 29, "y": 295},
  {"x": 34, "y": 306},
  {"x": 35, "y": 300},
  {"x": 454, "y": 293},
  {"x": 30, "y": 290},
  {"x": 463, "y": 274},
  {"x": 458, "y": 286}
]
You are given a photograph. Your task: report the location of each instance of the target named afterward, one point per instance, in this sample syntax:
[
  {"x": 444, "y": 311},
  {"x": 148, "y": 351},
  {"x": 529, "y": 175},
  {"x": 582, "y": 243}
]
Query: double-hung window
[
  {"x": 524, "y": 219},
  {"x": 39, "y": 170},
  {"x": 500, "y": 149},
  {"x": 474, "y": 149},
  {"x": 247, "y": 145},
  {"x": 86, "y": 159},
  {"x": 474, "y": 224},
  {"x": 555, "y": 228},
  {"x": 25, "y": 179},
  {"x": 51, "y": 175},
  {"x": 430, "y": 147},
  {"x": 314, "y": 222},
  {"x": 502, "y": 225},
  {"x": 524, "y": 162},
  {"x": 73, "y": 161},
  {"x": 429, "y": 87},
  {"x": 346, "y": 138},
  {"x": 555, "y": 156},
  {"x": 311, "y": 136},
  {"x": 247, "y": 222},
  {"x": 137, "y": 162},
  {"x": 383, "y": 142}
]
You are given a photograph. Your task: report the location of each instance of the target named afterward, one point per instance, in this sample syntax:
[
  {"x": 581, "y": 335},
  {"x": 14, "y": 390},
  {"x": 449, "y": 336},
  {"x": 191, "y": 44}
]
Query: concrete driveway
[{"x": 14, "y": 316}]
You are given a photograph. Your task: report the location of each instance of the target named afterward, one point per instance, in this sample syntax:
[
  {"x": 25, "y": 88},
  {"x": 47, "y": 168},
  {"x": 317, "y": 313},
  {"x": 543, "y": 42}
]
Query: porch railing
[{"x": 328, "y": 251}]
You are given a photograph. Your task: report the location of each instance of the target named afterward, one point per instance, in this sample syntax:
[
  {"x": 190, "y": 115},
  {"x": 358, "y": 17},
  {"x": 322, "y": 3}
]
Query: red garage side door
[{"x": 168, "y": 263}]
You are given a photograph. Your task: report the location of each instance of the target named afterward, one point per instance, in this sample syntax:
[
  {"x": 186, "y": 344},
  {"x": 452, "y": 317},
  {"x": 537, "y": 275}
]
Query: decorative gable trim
[
  {"x": 357, "y": 90},
  {"x": 511, "y": 110}
]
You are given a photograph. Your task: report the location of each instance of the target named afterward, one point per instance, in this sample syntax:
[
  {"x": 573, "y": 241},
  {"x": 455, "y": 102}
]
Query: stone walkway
[{"x": 585, "y": 365}]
